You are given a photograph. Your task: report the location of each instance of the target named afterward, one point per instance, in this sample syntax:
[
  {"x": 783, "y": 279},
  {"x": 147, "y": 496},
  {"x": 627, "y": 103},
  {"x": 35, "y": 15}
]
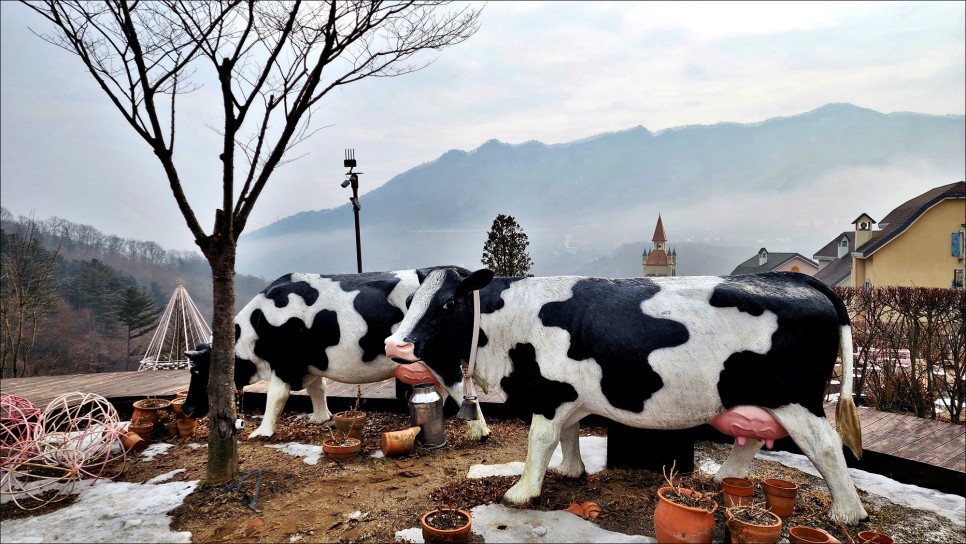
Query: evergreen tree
[
  {"x": 505, "y": 250},
  {"x": 139, "y": 314}
]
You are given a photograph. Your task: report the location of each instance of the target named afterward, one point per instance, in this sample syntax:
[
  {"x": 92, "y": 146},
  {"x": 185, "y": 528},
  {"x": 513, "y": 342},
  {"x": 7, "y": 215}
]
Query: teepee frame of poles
[{"x": 181, "y": 329}]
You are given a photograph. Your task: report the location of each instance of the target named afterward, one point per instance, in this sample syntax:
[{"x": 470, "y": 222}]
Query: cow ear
[
  {"x": 421, "y": 274},
  {"x": 475, "y": 281}
]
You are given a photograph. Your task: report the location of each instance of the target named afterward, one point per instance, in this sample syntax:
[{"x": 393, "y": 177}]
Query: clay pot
[
  {"x": 133, "y": 442},
  {"x": 743, "y": 532},
  {"x": 872, "y": 537},
  {"x": 434, "y": 535},
  {"x": 171, "y": 428},
  {"x": 141, "y": 427},
  {"x": 341, "y": 449},
  {"x": 177, "y": 405},
  {"x": 399, "y": 442},
  {"x": 181, "y": 395},
  {"x": 737, "y": 491},
  {"x": 147, "y": 409},
  {"x": 780, "y": 496},
  {"x": 682, "y": 524},
  {"x": 806, "y": 535},
  {"x": 350, "y": 423},
  {"x": 187, "y": 427}
]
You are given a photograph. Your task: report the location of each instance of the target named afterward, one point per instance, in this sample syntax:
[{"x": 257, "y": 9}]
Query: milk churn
[{"x": 426, "y": 410}]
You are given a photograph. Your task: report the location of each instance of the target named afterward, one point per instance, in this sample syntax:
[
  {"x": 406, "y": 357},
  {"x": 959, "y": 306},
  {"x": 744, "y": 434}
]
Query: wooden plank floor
[
  {"x": 935, "y": 443},
  {"x": 907, "y": 437}
]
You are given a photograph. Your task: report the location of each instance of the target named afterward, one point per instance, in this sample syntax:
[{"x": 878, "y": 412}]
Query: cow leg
[
  {"x": 572, "y": 465},
  {"x": 542, "y": 440},
  {"x": 739, "y": 460},
  {"x": 278, "y": 391},
  {"x": 320, "y": 405},
  {"x": 821, "y": 444}
]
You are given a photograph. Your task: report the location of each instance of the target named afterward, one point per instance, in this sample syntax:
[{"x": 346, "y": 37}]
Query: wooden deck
[{"x": 889, "y": 440}]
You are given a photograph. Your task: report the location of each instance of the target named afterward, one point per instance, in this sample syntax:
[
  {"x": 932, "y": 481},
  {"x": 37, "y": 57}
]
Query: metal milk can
[{"x": 426, "y": 410}]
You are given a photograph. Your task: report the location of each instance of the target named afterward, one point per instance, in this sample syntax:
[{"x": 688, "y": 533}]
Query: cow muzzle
[{"x": 401, "y": 352}]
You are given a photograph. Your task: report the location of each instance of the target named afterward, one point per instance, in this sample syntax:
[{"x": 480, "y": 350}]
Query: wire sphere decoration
[{"x": 78, "y": 436}]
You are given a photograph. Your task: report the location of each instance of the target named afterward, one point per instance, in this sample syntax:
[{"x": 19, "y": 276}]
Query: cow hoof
[
  {"x": 573, "y": 474},
  {"x": 260, "y": 433},
  {"x": 517, "y": 496},
  {"x": 847, "y": 516},
  {"x": 320, "y": 419}
]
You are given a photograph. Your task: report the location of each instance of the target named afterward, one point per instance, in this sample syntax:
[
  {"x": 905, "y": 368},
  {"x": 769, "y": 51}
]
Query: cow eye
[{"x": 449, "y": 304}]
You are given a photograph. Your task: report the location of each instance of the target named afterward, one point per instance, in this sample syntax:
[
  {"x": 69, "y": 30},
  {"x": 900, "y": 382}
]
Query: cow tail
[{"x": 846, "y": 414}]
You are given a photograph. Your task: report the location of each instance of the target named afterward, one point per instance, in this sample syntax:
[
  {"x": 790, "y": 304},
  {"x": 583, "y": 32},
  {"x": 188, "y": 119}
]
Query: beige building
[
  {"x": 918, "y": 244},
  {"x": 657, "y": 261}
]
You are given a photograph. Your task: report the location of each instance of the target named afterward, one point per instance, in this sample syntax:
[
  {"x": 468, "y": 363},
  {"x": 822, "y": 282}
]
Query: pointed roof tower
[
  {"x": 181, "y": 329},
  {"x": 659, "y": 231}
]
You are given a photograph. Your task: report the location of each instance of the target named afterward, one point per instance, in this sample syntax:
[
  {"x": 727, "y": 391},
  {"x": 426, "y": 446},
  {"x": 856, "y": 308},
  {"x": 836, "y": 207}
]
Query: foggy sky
[{"x": 553, "y": 72}]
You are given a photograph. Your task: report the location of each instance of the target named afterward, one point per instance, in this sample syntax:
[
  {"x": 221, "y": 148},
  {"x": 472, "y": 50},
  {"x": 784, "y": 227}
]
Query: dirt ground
[{"x": 368, "y": 499}]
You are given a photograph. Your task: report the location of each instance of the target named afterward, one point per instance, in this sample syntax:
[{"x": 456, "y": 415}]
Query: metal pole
[{"x": 355, "y": 195}]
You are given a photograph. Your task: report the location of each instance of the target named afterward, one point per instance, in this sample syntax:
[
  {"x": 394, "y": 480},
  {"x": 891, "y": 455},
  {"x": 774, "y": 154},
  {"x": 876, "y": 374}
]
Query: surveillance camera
[{"x": 345, "y": 184}]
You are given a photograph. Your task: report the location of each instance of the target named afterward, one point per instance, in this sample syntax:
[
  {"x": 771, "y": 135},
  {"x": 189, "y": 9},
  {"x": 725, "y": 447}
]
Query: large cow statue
[
  {"x": 304, "y": 328},
  {"x": 749, "y": 354}
]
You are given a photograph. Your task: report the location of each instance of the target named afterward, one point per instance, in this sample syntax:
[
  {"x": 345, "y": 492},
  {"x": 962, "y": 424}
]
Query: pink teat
[{"x": 744, "y": 422}]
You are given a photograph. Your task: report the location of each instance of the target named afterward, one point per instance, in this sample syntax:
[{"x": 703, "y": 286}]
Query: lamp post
[{"x": 353, "y": 179}]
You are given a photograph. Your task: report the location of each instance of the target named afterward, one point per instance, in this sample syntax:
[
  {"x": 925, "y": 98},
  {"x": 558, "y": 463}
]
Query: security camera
[{"x": 345, "y": 184}]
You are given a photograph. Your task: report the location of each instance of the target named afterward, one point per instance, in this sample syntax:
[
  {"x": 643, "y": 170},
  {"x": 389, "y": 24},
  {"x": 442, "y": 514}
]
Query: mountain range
[{"x": 590, "y": 206}]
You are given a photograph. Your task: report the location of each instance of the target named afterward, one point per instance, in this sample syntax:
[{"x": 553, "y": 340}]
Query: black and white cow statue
[
  {"x": 749, "y": 354},
  {"x": 304, "y": 328}
]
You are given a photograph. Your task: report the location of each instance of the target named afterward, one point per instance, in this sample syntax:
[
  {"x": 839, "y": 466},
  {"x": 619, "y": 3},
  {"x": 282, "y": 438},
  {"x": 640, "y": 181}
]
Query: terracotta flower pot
[
  {"x": 187, "y": 427},
  {"x": 399, "y": 442},
  {"x": 341, "y": 449},
  {"x": 780, "y": 496},
  {"x": 806, "y": 535},
  {"x": 350, "y": 423},
  {"x": 133, "y": 442},
  {"x": 171, "y": 428},
  {"x": 743, "y": 532},
  {"x": 872, "y": 537},
  {"x": 433, "y": 534},
  {"x": 682, "y": 524},
  {"x": 737, "y": 491},
  {"x": 181, "y": 395},
  {"x": 177, "y": 405},
  {"x": 142, "y": 428},
  {"x": 147, "y": 409}
]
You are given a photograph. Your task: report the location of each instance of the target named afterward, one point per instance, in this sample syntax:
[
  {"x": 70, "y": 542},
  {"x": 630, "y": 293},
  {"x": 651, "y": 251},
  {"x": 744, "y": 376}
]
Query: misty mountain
[{"x": 788, "y": 183}]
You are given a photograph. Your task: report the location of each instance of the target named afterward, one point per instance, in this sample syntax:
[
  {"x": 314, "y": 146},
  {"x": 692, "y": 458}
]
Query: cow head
[
  {"x": 438, "y": 327},
  {"x": 196, "y": 403}
]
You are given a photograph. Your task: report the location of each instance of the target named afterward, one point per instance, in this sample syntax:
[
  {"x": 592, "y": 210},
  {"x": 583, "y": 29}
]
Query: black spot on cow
[
  {"x": 527, "y": 391},
  {"x": 373, "y": 306},
  {"x": 290, "y": 348},
  {"x": 606, "y": 323},
  {"x": 491, "y": 298},
  {"x": 280, "y": 289},
  {"x": 804, "y": 346},
  {"x": 245, "y": 370}
]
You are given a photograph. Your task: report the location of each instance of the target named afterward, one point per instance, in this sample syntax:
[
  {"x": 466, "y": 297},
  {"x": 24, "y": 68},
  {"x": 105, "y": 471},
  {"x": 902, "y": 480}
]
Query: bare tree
[
  {"x": 27, "y": 296},
  {"x": 273, "y": 62}
]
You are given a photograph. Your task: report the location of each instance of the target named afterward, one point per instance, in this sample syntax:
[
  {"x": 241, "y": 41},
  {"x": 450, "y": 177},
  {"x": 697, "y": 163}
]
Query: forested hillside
[{"x": 74, "y": 300}]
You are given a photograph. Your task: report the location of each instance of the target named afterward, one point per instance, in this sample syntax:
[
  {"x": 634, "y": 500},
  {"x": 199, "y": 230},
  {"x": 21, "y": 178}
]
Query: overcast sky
[{"x": 547, "y": 71}]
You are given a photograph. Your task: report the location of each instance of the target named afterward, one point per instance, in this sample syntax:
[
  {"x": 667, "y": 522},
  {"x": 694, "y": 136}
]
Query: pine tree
[
  {"x": 138, "y": 313},
  {"x": 505, "y": 250}
]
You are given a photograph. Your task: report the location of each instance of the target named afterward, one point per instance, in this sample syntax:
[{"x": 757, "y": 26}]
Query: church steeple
[{"x": 656, "y": 262}]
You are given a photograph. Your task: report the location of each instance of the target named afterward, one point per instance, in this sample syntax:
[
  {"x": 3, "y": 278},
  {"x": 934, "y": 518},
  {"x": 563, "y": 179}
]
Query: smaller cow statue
[
  {"x": 304, "y": 328},
  {"x": 749, "y": 354}
]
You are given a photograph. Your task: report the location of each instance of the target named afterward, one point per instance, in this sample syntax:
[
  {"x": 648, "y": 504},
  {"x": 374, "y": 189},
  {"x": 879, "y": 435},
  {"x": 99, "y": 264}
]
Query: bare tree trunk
[{"x": 222, "y": 445}]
